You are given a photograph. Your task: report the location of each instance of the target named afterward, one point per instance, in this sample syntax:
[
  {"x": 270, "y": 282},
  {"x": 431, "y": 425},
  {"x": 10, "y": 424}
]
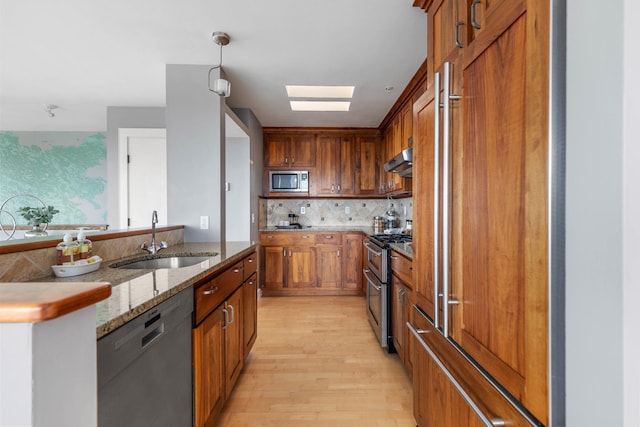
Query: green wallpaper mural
[{"x": 67, "y": 170}]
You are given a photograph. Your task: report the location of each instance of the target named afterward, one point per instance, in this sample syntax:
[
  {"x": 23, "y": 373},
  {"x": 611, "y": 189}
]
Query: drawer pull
[
  {"x": 394, "y": 257},
  {"x": 250, "y": 259},
  {"x": 238, "y": 270},
  {"x": 269, "y": 237},
  {"x": 328, "y": 237},
  {"x": 210, "y": 291}
]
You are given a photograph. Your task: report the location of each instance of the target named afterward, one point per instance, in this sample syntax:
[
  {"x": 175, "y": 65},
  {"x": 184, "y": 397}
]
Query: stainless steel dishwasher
[{"x": 144, "y": 368}]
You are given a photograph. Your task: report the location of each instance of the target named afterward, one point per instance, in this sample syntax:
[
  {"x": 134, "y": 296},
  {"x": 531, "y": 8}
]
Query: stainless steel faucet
[{"x": 153, "y": 248}]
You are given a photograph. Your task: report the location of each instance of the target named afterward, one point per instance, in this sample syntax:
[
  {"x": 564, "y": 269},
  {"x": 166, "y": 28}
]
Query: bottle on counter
[
  {"x": 66, "y": 250},
  {"x": 85, "y": 246}
]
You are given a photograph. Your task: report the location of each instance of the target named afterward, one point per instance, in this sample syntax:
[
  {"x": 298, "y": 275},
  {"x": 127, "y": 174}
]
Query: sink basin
[{"x": 164, "y": 262}]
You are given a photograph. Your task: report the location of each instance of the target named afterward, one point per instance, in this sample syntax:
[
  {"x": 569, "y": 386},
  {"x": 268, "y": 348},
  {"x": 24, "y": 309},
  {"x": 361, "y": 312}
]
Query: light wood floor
[{"x": 316, "y": 363}]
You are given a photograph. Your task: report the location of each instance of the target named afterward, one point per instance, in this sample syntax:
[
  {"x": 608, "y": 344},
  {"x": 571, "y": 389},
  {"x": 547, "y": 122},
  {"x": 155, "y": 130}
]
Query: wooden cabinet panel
[
  {"x": 276, "y": 150},
  {"x": 208, "y": 369},
  {"x": 443, "y": 18},
  {"x": 301, "y": 267},
  {"x": 289, "y": 150},
  {"x": 250, "y": 312},
  {"x": 330, "y": 238},
  {"x": 249, "y": 265},
  {"x": 423, "y": 202},
  {"x": 303, "y": 151},
  {"x": 335, "y": 171},
  {"x": 273, "y": 268},
  {"x": 329, "y": 266},
  {"x": 367, "y": 166},
  {"x": 347, "y": 166},
  {"x": 352, "y": 261},
  {"x": 402, "y": 267},
  {"x": 234, "y": 345},
  {"x": 503, "y": 223}
]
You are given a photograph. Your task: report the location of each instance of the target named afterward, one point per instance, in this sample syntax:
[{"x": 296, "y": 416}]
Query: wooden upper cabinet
[
  {"x": 448, "y": 30},
  {"x": 367, "y": 165},
  {"x": 482, "y": 14},
  {"x": 335, "y": 166},
  {"x": 289, "y": 150},
  {"x": 407, "y": 126}
]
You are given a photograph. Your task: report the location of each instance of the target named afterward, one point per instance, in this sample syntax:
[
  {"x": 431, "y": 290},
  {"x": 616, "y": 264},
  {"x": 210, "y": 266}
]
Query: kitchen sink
[{"x": 163, "y": 261}]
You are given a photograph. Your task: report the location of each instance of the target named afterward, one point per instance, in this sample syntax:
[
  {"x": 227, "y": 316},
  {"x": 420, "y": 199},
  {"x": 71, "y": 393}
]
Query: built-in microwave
[{"x": 289, "y": 181}]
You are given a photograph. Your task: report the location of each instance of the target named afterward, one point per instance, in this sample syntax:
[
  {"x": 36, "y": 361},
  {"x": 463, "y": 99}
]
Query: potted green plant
[{"x": 36, "y": 217}]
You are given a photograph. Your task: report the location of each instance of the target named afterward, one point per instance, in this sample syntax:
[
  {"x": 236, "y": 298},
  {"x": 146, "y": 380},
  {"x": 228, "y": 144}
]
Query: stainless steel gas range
[{"x": 377, "y": 273}]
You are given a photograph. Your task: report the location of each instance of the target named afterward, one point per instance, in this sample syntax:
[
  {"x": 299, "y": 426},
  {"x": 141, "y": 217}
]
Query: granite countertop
[
  {"x": 405, "y": 249},
  {"x": 338, "y": 228},
  {"x": 135, "y": 291}
]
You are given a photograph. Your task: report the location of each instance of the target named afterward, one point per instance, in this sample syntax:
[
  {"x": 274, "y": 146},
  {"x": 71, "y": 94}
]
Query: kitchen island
[{"x": 136, "y": 291}]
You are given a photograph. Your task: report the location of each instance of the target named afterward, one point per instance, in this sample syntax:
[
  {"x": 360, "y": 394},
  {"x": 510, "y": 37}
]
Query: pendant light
[{"x": 220, "y": 86}]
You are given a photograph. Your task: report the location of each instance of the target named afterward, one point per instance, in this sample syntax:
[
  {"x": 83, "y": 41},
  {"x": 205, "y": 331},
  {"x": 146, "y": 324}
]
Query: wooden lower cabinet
[
  {"x": 311, "y": 263},
  {"x": 223, "y": 336},
  {"x": 352, "y": 261},
  {"x": 233, "y": 342},
  {"x": 208, "y": 368},
  {"x": 250, "y": 312},
  {"x": 401, "y": 302},
  {"x": 449, "y": 391}
]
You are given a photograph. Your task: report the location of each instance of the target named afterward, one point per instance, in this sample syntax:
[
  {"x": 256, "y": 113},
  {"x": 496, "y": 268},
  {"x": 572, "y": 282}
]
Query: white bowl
[{"x": 74, "y": 270}]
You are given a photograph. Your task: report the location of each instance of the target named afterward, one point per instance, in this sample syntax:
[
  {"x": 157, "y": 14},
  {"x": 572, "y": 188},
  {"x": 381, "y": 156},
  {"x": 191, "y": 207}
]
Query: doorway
[
  {"x": 142, "y": 171},
  {"x": 237, "y": 181}
]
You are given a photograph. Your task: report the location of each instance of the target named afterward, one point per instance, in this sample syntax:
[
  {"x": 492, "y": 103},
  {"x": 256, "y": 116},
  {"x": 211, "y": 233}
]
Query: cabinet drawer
[
  {"x": 328, "y": 238},
  {"x": 249, "y": 264},
  {"x": 287, "y": 238},
  {"x": 402, "y": 267},
  {"x": 210, "y": 294}
]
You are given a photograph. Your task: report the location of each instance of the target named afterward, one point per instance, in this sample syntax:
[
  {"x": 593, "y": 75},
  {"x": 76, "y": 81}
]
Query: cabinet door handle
[
  {"x": 289, "y": 252},
  {"x": 284, "y": 252},
  {"x": 448, "y": 97},
  {"x": 456, "y": 34},
  {"x": 226, "y": 318},
  {"x": 210, "y": 291},
  {"x": 286, "y": 160},
  {"x": 474, "y": 23},
  {"x": 339, "y": 188},
  {"x": 436, "y": 201},
  {"x": 333, "y": 188},
  {"x": 338, "y": 253},
  {"x": 293, "y": 160},
  {"x": 233, "y": 314}
]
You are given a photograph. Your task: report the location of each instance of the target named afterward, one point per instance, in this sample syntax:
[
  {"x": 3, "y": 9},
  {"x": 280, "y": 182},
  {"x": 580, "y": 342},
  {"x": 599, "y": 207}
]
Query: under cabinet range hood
[{"x": 401, "y": 163}]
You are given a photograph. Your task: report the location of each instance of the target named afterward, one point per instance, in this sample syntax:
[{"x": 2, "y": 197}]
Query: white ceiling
[{"x": 86, "y": 55}]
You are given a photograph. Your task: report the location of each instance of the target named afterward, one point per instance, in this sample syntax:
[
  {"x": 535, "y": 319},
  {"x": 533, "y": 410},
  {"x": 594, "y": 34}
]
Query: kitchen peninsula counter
[
  {"x": 135, "y": 291},
  {"x": 346, "y": 229}
]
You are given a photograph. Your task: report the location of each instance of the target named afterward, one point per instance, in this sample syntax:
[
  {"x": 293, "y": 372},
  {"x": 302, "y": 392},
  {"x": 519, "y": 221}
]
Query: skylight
[
  {"x": 320, "y": 105},
  {"x": 319, "y": 96},
  {"x": 294, "y": 91}
]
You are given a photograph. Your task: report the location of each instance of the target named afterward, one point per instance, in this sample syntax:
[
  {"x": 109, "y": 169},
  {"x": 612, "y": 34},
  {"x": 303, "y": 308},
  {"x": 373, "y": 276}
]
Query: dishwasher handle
[{"x": 149, "y": 338}]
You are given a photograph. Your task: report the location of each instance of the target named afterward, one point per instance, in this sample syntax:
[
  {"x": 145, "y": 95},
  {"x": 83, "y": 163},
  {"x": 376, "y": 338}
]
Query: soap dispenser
[
  {"x": 65, "y": 250},
  {"x": 85, "y": 246}
]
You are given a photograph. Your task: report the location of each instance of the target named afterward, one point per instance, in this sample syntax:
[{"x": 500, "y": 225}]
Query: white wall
[
  {"x": 238, "y": 194},
  {"x": 631, "y": 215},
  {"x": 195, "y": 149},
  {"x": 602, "y": 242}
]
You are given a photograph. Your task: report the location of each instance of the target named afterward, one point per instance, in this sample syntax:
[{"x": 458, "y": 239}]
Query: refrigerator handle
[{"x": 436, "y": 199}]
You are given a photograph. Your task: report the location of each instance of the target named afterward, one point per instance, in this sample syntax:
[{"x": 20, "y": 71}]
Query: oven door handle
[
  {"x": 373, "y": 251},
  {"x": 371, "y": 279}
]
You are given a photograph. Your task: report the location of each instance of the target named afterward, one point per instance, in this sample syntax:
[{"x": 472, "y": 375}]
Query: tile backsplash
[{"x": 332, "y": 212}]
